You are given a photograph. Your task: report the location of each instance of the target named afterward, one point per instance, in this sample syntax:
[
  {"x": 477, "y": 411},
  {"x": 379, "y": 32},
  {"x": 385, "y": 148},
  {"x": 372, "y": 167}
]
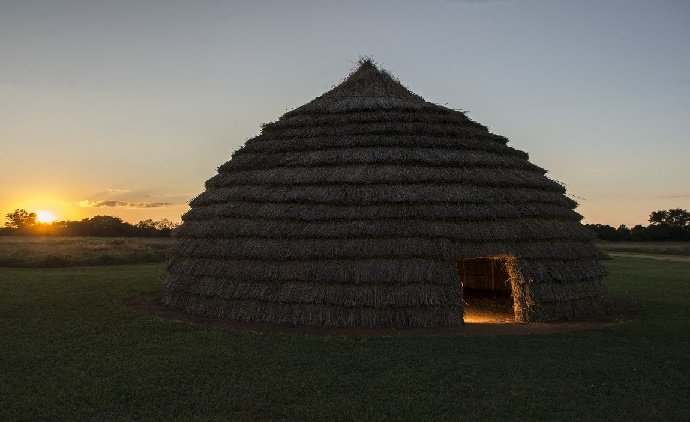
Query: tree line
[
  {"x": 664, "y": 225},
  {"x": 24, "y": 223}
]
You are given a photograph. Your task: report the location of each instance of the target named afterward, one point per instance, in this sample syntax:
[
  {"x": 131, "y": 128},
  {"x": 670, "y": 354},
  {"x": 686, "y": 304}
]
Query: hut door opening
[{"x": 486, "y": 290}]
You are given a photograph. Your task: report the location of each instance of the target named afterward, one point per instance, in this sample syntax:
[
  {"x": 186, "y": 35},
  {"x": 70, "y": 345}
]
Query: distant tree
[
  {"x": 160, "y": 228},
  {"x": 623, "y": 232},
  {"x": 146, "y": 224},
  {"x": 673, "y": 224},
  {"x": 639, "y": 233},
  {"x": 146, "y": 228},
  {"x": 676, "y": 217},
  {"x": 604, "y": 231},
  {"x": 20, "y": 219},
  {"x": 164, "y": 224},
  {"x": 659, "y": 232},
  {"x": 105, "y": 225}
]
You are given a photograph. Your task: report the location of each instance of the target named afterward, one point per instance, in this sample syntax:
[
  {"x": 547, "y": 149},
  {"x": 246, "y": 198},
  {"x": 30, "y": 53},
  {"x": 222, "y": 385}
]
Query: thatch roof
[{"x": 354, "y": 209}]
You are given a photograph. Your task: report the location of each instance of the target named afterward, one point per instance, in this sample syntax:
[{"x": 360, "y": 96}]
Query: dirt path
[
  {"x": 673, "y": 258},
  {"x": 615, "y": 311}
]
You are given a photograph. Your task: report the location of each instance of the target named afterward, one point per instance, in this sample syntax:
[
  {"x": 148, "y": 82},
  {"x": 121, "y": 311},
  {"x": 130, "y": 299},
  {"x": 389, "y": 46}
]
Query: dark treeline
[
  {"x": 664, "y": 225},
  {"x": 640, "y": 233},
  {"x": 22, "y": 223}
]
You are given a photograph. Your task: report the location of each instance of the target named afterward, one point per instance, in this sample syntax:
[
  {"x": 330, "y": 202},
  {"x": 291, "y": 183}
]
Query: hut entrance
[{"x": 486, "y": 290}]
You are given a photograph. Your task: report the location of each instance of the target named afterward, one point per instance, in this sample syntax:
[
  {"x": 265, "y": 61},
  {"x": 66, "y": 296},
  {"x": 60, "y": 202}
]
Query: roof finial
[{"x": 366, "y": 61}]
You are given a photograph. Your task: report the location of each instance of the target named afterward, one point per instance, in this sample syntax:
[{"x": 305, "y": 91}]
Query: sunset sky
[{"x": 125, "y": 108}]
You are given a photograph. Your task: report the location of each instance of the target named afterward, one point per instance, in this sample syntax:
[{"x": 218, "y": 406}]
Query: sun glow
[{"x": 45, "y": 216}]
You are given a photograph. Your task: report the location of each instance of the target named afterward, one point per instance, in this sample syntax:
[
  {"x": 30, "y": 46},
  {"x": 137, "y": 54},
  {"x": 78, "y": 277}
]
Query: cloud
[
  {"x": 150, "y": 204},
  {"x": 99, "y": 204},
  {"x": 118, "y": 190}
]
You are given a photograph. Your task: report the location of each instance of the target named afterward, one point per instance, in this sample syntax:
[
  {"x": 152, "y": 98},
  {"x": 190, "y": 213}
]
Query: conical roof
[{"x": 354, "y": 210}]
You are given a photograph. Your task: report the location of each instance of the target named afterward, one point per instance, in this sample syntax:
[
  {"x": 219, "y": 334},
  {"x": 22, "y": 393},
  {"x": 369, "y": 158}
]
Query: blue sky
[{"x": 133, "y": 103}]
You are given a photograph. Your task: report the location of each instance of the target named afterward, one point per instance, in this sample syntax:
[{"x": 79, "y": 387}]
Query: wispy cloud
[
  {"x": 116, "y": 190},
  {"x": 99, "y": 204}
]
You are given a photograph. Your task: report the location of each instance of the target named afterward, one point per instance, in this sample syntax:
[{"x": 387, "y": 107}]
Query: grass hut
[{"x": 371, "y": 207}]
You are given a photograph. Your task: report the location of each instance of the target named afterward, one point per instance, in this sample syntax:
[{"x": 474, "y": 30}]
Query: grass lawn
[
  {"x": 50, "y": 251},
  {"x": 69, "y": 349},
  {"x": 664, "y": 248}
]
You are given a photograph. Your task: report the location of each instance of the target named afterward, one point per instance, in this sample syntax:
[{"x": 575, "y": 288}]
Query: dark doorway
[{"x": 486, "y": 289}]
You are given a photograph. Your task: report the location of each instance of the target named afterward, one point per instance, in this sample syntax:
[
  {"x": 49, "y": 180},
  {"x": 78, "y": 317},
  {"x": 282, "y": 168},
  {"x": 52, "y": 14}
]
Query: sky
[{"x": 125, "y": 108}]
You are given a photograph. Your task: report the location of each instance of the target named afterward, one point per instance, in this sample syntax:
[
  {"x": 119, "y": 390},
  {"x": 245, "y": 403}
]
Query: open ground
[{"x": 662, "y": 248}]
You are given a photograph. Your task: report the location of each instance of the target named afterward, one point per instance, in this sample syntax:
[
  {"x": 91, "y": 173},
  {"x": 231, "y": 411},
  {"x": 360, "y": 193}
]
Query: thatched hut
[{"x": 371, "y": 207}]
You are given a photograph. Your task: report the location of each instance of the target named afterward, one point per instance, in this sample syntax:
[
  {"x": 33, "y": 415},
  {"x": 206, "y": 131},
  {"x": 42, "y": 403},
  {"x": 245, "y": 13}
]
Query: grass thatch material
[{"x": 354, "y": 209}]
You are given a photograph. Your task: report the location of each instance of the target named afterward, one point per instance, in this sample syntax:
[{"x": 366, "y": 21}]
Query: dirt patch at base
[{"x": 615, "y": 311}]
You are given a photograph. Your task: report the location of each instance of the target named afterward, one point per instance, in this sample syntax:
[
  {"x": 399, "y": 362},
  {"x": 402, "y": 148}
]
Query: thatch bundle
[{"x": 354, "y": 210}]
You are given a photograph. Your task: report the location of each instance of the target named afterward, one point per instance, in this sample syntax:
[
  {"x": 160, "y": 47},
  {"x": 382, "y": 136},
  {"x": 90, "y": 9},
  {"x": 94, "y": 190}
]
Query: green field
[
  {"x": 663, "y": 248},
  {"x": 48, "y": 251},
  {"x": 70, "y": 349}
]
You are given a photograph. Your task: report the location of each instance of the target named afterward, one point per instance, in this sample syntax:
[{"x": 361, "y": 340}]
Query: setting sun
[{"x": 45, "y": 216}]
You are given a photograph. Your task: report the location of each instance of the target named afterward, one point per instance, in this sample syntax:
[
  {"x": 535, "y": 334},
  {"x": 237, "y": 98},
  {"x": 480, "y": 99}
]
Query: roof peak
[
  {"x": 367, "y": 87},
  {"x": 367, "y": 80}
]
